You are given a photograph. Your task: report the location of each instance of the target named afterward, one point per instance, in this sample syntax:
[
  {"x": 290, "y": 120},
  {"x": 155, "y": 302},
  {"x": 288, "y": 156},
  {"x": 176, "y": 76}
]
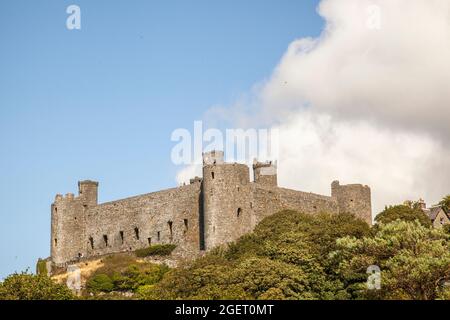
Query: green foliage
[
  {"x": 156, "y": 250},
  {"x": 100, "y": 282},
  {"x": 414, "y": 261},
  {"x": 402, "y": 212},
  {"x": 25, "y": 286},
  {"x": 124, "y": 273},
  {"x": 284, "y": 258},
  {"x": 446, "y": 228},
  {"x": 445, "y": 203},
  {"x": 41, "y": 267}
]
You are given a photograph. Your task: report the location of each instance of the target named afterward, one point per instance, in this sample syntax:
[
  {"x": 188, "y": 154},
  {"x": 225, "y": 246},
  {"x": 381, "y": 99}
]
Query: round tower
[
  {"x": 353, "y": 198},
  {"x": 226, "y": 203},
  {"x": 67, "y": 229}
]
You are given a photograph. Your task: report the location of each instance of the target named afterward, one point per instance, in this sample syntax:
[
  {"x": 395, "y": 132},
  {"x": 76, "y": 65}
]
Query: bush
[
  {"x": 404, "y": 213},
  {"x": 41, "y": 267},
  {"x": 25, "y": 286},
  {"x": 156, "y": 250},
  {"x": 446, "y": 228},
  {"x": 100, "y": 283},
  {"x": 122, "y": 272}
]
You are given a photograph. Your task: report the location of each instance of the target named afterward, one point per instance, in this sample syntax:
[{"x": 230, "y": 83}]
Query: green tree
[
  {"x": 100, "y": 283},
  {"x": 414, "y": 261},
  {"x": 25, "y": 286},
  {"x": 402, "y": 212},
  {"x": 284, "y": 258},
  {"x": 445, "y": 202}
]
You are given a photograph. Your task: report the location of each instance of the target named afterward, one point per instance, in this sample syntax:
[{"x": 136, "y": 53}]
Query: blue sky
[{"x": 101, "y": 102}]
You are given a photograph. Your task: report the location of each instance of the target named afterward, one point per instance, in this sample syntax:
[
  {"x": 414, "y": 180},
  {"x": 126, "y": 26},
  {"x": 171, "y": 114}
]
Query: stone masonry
[{"x": 210, "y": 211}]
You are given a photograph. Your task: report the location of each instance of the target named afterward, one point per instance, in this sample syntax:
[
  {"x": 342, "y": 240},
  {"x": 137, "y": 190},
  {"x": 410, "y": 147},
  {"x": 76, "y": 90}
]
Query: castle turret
[
  {"x": 265, "y": 173},
  {"x": 353, "y": 198},
  {"x": 68, "y": 225},
  {"x": 88, "y": 192},
  {"x": 226, "y": 203}
]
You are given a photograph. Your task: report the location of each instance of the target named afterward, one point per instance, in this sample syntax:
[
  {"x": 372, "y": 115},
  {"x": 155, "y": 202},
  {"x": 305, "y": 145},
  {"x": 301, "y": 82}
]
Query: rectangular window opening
[
  {"x": 170, "y": 229},
  {"x": 136, "y": 233},
  {"x": 121, "y": 236},
  {"x": 105, "y": 239}
]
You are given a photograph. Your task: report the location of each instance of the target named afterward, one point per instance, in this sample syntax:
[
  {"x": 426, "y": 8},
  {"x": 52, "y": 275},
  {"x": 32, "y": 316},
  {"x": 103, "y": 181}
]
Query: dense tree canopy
[
  {"x": 402, "y": 212},
  {"x": 445, "y": 203},
  {"x": 414, "y": 261},
  {"x": 286, "y": 257},
  {"x": 25, "y": 286}
]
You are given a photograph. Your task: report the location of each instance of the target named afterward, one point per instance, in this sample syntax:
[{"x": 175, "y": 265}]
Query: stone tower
[
  {"x": 226, "y": 200},
  {"x": 353, "y": 198},
  {"x": 68, "y": 227},
  {"x": 265, "y": 173}
]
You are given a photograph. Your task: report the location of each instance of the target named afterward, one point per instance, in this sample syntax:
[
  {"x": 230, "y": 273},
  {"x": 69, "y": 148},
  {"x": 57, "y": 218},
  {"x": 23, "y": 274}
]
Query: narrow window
[
  {"x": 159, "y": 236},
  {"x": 121, "y": 236},
  {"x": 136, "y": 233},
  {"x": 170, "y": 230},
  {"x": 105, "y": 239},
  {"x": 186, "y": 225},
  {"x": 56, "y": 242},
  {"x": 91, "y": 241},
  {"x": 212, "y": 174},
  {"x": 56, "y": 210},
  {"x": 149, "y": 241},
  {"x": 251, "y": 204},
  {"x": 239, "y": 211}
]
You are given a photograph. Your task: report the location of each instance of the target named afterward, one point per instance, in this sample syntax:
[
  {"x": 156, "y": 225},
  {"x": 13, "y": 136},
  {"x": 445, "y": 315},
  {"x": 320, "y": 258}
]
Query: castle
[{"x": 208, "y": 212}]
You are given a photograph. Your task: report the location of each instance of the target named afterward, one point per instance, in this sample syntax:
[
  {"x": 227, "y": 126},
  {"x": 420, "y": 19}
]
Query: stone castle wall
[
  {"x": 169, "y": 216},
  {"x": 211, "y": 211}
]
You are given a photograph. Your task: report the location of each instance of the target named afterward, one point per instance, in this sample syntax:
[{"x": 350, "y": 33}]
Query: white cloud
[
  {"x": 361, "y": 103},
  {"x": 397, "y": 75},
  {"x": 315, "y": 150}
]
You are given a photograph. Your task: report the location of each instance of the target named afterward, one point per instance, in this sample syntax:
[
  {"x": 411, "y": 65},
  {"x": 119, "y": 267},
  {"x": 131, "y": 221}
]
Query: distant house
[{"x": 438, "y": 216}]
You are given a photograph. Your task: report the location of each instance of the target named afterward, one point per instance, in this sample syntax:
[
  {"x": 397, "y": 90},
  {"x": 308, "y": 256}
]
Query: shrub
[
  {"x": 41, "y": 267},
  {"x": 25, "y": 286},
  {"x": 404, "y": 213},
  {"x": 156, "y": 250},
  {"x": 100, "y": 282},
  {"x": 122, "y": 272}
]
